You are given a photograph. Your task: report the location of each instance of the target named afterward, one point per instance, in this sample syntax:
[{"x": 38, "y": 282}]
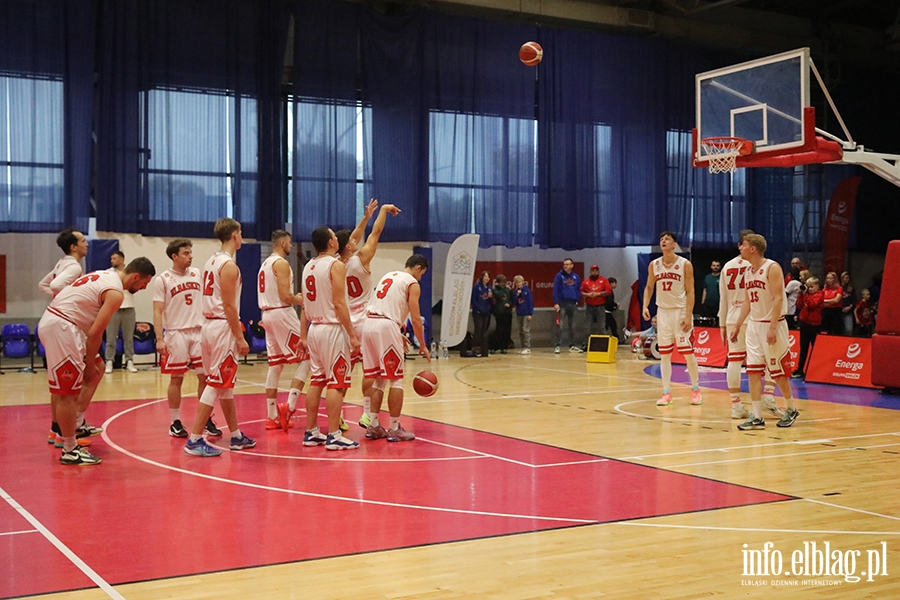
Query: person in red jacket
[
  {"x": 594, "y": 290},
  {"x": 865, "y": 314},
  {"x": 810, "y": 303}
]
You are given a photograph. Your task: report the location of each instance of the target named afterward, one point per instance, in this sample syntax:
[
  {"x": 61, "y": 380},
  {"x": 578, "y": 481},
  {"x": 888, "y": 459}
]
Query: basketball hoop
[{"x": 722, "y": 152}]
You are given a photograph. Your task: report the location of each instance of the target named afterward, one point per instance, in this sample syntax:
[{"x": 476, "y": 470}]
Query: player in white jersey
[
  {"x": 67, "y": 269},
  {"x": 359, "y": 276},
  {"x": 222, "y": 342},
  {"x": 329, "y": 336},
  {"x": 768, "y": 347},
  {"x": 672, "y": 277},
  {"x": 275, "y": 294},
  {"x": 395, "y": 297},
  {"x": 71, "y": 330},
  {"x": 731, "y": 298},
  {"x": 74, "y": 245},
  {"x": 177, "y": 320}
]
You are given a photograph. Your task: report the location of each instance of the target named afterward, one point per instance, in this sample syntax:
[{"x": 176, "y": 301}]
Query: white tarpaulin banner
[{"x": 459, "y": 275}]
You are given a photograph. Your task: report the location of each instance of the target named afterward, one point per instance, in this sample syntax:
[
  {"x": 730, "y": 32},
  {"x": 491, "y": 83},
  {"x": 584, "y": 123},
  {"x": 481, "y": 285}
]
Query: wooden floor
[{"x": 841, "y": 463}]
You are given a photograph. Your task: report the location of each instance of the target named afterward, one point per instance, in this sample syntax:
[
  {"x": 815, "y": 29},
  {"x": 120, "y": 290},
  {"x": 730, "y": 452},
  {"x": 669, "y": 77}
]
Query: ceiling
[{"x": 849, "y": 31}]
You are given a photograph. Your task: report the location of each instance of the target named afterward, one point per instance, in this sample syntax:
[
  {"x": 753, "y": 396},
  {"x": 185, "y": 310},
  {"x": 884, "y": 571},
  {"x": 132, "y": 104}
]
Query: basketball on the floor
[
  {"x": 425, "y": 384},
  {"x": 531, "y": 54}
]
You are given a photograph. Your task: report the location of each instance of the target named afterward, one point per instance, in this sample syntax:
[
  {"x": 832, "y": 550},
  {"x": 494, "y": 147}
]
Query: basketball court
[
  {"x": 538, "y": 470},
  {"x": 538, "y": 476}
]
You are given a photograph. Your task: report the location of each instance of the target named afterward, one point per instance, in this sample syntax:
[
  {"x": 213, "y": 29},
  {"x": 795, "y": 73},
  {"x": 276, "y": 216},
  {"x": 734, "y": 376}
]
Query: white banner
[{"x": 459, "y": 275}]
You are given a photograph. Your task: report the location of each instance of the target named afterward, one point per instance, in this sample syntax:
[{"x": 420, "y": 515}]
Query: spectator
[
  {"x": 792, "y": 290},
  {"x": 875, "y": 288},
  {"x": 832, "y": 321},
  {"x": 594, "y": 290},
  {"x": 123, "y": 319},
  {"x": 796, "y": 269},
  {"x": 611, "y": 307},
  {"x": 524, "y": 312},
  {"x": 709, "y": 300},
  {"x": 503, "y": 313},
  {"x": 848, "y": 303},
  {"x": 482, "y": 295},
  {"x": 864, "y": 314},
  {"x": 566, "y": 293},
  {"x": 810, "y": 303}
]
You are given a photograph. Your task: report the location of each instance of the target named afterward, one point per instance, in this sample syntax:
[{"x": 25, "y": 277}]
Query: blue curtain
[
  {"x": 46, "y": 106},
  {"x": 601, "y": 140},
  {"x": 189, "y": 122},
  {"x": 324, "y": 168}
]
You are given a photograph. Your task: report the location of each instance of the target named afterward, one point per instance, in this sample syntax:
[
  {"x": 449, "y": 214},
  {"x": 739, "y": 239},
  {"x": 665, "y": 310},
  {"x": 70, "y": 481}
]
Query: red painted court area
[{"x": 151, "y": 511}]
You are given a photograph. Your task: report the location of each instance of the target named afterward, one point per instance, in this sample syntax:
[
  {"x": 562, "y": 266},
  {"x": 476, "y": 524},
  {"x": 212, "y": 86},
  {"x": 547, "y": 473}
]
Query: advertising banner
[
  {"x": 841, "y": 360},
  {"x": 538, "y": 275},
  {"x": 708, "y": 348},
  {"x": 836, "y": 229},
  {"x": 459, "y": 275}
]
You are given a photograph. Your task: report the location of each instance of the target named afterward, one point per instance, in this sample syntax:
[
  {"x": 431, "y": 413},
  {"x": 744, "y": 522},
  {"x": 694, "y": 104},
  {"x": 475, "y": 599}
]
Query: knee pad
[
  {"x": 272, "y": 376},
  {"x": 226, "y": 394},
  {"x": 302, "y": 372},
  {"x": 396, "y": 384},
  {"x": 209, "y": 396},
  {"x": 379, "y": 385}
]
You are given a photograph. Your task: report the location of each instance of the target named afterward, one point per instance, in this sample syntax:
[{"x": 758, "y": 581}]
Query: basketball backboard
[
  {"x": 763, "y": 101},
  {"x": 757, "y": 114}
]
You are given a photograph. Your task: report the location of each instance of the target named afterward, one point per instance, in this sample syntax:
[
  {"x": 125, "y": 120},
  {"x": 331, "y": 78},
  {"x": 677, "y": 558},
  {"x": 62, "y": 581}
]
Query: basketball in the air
[
  {"x": 425, "y": 383},
  {"x": 531, "y": 54}
]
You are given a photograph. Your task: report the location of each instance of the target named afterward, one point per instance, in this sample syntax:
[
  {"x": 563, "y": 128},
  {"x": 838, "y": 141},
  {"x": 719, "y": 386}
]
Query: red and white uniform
[
  {"x": 280, "y": 320},
  {"x": 760, "y": 354},
  {"x": 359, "y": 292},
  {"x": 217, "y": 344},
  {"x": 382, "y": 341},
  {"x": 63, "y": 328},
  {"x": 66, "y": 270},
  {"x": 328, "y": 342},
  {"x": 671, "y": 300},
  {"x": 732, "y": 296},
  {"x": 180, "y": 295}
]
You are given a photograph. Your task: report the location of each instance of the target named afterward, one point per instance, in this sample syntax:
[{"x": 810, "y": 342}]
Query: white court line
[
  {"x": 754, "y": 529},
  {"x": 82, "y": 566},
  {"x": 19, "y": 532},
  {"x": 858, "y": 510},
  {"x": 318, "y": 495},
  {"x": 752, "y": 458},
  {"x": 755, "y": 446},
  {"x": 475, "y": 454},
  {"x": 618, "y": 408}
]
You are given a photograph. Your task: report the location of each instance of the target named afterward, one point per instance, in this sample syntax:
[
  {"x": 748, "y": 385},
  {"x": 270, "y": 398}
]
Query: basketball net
[{"x": 722, "y": 153}]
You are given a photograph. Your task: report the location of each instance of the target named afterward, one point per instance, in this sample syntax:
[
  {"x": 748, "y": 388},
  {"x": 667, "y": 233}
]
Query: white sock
[
  {"x": 665, "y": 368},
  {"x": 367, "y": 405},
  {"x": 293, "y": 396},
  {"x": 273, "y": 412},
  {"x": 79, "y": 419},
  {"x": 395, "y": 422},
  {"x": 236, "y": 434},
  {"x": 174, "y": 414}
]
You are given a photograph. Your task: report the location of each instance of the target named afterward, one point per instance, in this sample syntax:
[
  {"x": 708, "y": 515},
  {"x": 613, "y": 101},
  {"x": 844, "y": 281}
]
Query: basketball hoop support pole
[{"x": 812, "y": 67}]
